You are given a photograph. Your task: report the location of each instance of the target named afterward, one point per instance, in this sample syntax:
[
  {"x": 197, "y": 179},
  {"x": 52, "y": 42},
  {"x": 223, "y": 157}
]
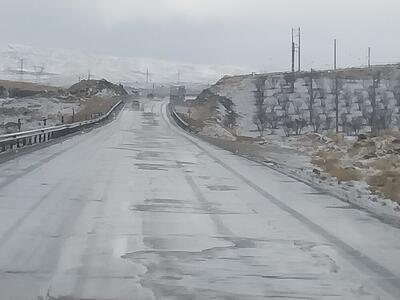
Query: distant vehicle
[
  {"x": 177, "y": 94},
  {"x": 135, "y": 104}
]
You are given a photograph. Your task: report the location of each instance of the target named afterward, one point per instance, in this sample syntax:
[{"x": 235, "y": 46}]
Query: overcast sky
[{"x": 251, "y": 33}]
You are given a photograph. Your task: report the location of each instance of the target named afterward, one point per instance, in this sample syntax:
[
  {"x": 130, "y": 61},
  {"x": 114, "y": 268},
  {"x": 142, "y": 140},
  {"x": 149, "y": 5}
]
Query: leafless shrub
[
  {"x": 318, "y": 121},
  {"x": 356, "y": 124}
]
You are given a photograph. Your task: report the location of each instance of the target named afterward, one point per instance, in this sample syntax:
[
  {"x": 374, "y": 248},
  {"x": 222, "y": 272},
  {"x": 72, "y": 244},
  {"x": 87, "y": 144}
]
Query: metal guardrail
[
  {"x": 176, "y": 117},
  {"x": 35, "y": 136}
]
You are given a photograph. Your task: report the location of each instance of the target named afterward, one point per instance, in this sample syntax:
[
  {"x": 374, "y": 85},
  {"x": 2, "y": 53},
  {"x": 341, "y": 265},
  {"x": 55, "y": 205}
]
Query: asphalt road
[{"x": 138, "y": 209}]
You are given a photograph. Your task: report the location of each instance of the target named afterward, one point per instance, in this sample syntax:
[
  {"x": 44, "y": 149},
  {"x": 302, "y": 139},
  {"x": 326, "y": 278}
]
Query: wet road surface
[{"x": 138, "y": 209}]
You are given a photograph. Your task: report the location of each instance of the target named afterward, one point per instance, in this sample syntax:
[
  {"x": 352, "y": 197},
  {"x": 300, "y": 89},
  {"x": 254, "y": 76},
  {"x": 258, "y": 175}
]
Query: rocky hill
[
  {"x": 90, "y": 88},
  {"x": 288, "y": 121},
  {"x": 36, "y": 106},
  {"x": 276, "y": 100}
]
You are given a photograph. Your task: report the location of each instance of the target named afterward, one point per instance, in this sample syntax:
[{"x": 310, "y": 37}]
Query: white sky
[{"x": 254, "y": 33}]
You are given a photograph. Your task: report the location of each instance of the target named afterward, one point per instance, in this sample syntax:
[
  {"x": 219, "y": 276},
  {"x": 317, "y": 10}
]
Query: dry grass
[
  {"x": 362, "y": 148},
  {"x": 387, "y": 182},
  {"x": 92, "y": 106},
  {"x": 330, "y": 163},
  {"x": 386, "y": 163}
]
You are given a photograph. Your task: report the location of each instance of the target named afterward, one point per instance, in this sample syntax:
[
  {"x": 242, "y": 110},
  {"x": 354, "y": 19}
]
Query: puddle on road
[
  {"x": 150, "y": 123},
  {"x": 185, "y": 163},
  {"x": 172, "y": 208},
  {"x": 155, "y": 167},
  {"x": 152, "y": 167},
  {"x": 221, "y": 188},
  {"x": 223, "y": 263},
  {"x": 163, "y": 200},
  {"x": 149, "y": 115},
  {"x": 123, "y": 148},
  {"x": 147, "y": 155},
  {"x": 166, "y": 205}
]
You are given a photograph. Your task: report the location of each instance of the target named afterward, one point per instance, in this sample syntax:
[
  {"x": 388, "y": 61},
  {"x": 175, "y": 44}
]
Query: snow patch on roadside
[{"x": 215, "y": 130}]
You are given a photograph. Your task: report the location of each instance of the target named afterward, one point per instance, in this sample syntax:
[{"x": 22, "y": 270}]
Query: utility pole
[
  {"x": 337, "y": 102},
  {"x": 311, "y": 98},
  {"x": 293, "y": 50},
  {"x": 336, "y": 85},
  {"x": 21, "y": 62},
  {"x": 369, "y": 57},
  {"x": 299, "y": 52},
  {"x": 88, "y": 76},
  {"x": 335, "y": 54},
  {"x": 147, "y": 75},
  {"x": 375, "y": 83},
  {"x": 179, "y": 76}
]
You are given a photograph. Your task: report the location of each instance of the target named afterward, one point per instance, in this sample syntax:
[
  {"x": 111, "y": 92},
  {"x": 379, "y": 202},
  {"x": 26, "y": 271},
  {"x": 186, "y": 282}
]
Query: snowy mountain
[{"x": 65, "y": 67}]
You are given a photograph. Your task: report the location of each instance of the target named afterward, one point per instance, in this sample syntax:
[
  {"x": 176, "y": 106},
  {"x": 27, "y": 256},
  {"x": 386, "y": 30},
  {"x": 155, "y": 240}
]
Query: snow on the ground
[
  {"x": 64, "y": 67},
  {"x": 216, "y": 131},
  {"x": 241, "y": 91},
  {"x": 357, "y": 192},
  {"x": 368, "y": 182},
  {"x": 32, "y": 111}
]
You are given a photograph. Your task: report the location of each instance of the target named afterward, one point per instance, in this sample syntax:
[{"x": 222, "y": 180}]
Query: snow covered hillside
[
  {"x": 65, "y": 67},
  {"x": 273, "y": 101},
  {"x": 25, "y": 106},
  {"x": 289, "y": 121}
]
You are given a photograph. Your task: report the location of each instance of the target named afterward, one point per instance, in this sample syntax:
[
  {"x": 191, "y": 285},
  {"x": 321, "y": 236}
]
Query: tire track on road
[{"x": 384, "y": 277}]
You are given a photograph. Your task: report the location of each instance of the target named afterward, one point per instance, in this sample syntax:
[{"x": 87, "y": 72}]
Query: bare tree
[
  {"x": 397, "y": 120},
  {"x": 348, "y": 99},
  {"x": 299, "y": 124},
  {"x": 396, "y": 94},
  {"x": 260, "y": 118},
  {"x": 344, "y": 122},
  {"x": 318, "y": 121},
  {"x": 367, "y": 114},
  {"x": 312, "y": 92},
  {"x": 291, "y": 79},
  {"x": 337, "y": 87},
  {"x": 356, "y": 124},
  {"x": 384, "y": 118},
  {"x": 296, "y": 126},
  {"x": 272, "y": 116},
  {"x": 288, "y": 127}
]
